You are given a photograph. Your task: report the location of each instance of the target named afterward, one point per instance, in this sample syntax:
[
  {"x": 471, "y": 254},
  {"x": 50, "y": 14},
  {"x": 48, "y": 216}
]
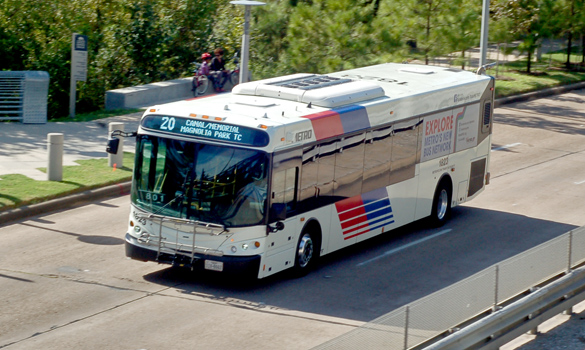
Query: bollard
[
  {"x": 118, "y": 158},
  {"x": 55, "y": 151}
]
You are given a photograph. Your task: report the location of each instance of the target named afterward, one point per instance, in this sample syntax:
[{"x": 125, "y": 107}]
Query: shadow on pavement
[{"x": 339, "y": 287}]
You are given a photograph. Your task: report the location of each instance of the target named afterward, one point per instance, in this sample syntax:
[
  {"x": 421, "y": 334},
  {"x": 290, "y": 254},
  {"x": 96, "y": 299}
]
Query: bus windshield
[{"x": 214, "y": 184}]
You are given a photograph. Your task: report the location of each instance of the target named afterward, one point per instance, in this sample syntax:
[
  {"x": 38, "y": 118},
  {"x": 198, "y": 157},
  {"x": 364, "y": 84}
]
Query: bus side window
[
  {"x": 146, "y": 178},
  {"x": 349, "y": 166},
  {"x": 326, "y": 170},
  {"x": 309, "y": 174},
  {"x": 284, "y": 188},
  {"x": 377, "y": 159},
  {"x": 404, "y": 151},
  {"x": 153, "y": 170}
]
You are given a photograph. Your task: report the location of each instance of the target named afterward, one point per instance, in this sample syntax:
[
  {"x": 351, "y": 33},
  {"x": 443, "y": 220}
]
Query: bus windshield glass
[{"x": 190, "y": 180}]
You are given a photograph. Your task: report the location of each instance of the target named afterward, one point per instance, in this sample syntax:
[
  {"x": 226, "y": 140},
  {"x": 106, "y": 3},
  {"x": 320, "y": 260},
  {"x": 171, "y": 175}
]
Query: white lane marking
[
  {"x": 580, "y": 182},
  {"x": 506, "y": 146},
  {"x": 396, "y": 250}
]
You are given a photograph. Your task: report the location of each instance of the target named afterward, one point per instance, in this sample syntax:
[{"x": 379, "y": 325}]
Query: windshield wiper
[{"x": 178, "y": 195}]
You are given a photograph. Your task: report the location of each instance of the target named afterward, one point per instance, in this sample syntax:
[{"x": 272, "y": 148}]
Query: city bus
[{"x": 282, "y": 171}]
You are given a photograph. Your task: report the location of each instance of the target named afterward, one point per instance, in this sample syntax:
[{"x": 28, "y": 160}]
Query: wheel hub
[{"x": 305, "y": 251}]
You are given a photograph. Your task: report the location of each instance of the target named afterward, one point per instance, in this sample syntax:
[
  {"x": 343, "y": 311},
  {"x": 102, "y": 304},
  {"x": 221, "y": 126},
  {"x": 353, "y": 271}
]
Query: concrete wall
[{"x": 151, "y": 94}]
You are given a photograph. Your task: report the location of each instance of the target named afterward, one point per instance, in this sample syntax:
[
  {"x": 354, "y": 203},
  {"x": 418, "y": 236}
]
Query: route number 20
[{"x": 168, "y": 123}]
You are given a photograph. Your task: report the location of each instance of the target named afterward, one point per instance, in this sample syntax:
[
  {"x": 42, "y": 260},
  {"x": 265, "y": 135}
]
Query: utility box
[{"x": 24, "y": 95}]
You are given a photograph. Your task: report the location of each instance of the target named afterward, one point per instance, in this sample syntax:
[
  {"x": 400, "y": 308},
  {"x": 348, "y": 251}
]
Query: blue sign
[
  {"x": 206, "y": 129},
  {"x": 79, "y": 42}
]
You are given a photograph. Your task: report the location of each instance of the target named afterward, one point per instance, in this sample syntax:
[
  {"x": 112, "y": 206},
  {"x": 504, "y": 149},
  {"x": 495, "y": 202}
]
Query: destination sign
[{"x": 206, "y": 129}]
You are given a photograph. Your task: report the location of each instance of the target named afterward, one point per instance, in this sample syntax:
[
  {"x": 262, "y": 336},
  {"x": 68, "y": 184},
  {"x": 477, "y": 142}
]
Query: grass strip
[
  {"x": 18, "y": 190},
  {"x": 512, "y": 78}
]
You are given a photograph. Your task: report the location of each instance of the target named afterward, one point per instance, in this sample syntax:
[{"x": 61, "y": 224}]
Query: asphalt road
[{"x": 66, "y": 284}]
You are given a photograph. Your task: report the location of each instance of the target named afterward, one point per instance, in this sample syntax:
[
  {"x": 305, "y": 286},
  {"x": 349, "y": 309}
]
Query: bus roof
[{"x": 303, "y": 108}]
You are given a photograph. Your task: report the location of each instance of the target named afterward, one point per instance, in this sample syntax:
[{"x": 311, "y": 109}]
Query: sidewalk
[
  {"x": 23, "y": 149},
  {"x": 24, "y": 146}
]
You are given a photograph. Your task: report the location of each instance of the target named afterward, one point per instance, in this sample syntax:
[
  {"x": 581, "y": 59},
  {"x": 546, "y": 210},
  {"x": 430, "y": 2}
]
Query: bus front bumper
[{"x": 238, "y": 265}]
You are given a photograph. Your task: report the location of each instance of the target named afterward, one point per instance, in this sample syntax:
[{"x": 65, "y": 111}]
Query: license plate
[{"x": 213, "y": 265}]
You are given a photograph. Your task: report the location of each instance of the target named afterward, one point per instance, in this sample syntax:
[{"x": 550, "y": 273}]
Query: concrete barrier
[{"x": 151, "y": 94}]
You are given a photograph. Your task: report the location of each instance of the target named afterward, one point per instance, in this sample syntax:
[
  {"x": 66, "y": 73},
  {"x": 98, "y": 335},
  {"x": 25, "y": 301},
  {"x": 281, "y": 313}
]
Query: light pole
[
  {"x": 246, "y": 37},
  {"x": 485, "y": 17}
]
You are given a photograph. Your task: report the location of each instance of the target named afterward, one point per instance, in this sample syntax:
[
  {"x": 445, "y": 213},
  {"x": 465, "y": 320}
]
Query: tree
[
  {"x": 328, "y": 35},
  {"x": 462, "y": 29},
  {"x": 569, "y": 21},
  {"x": 425, "y": 25},
  {"x": 131, "y": 42},
  {"x": 269, "y": 42},
  {"x": 530, "y": 21}
]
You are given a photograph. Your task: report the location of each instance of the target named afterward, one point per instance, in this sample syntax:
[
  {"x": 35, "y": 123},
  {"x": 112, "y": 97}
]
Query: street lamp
[
  {"x": 246, "y": 37},
  {"x": 485, "y": 18}
]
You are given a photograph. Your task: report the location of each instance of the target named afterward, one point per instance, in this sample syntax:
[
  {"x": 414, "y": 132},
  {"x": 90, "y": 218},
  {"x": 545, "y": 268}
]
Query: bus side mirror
[
  {"x": 112, "y": 146},
  {"x": 277, "y": 212}
]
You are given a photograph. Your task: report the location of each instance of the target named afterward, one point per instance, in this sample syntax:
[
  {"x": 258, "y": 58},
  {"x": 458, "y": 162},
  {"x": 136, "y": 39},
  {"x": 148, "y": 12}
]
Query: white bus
[{"x": 282, "y": 171}]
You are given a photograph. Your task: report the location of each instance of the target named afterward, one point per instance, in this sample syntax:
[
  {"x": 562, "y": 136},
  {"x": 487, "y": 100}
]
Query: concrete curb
[
  {"x": 124, "y": 188},
  {"x": 66, "y": 202},
  {"x": 538, "y": 94}
]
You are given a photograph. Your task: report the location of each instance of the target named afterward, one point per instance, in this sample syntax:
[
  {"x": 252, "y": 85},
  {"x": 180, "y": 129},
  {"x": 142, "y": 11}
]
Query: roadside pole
[
  {"x": 116, "y": 160},
  {"x": 78, "y": 67},
  {"x": 245, "y": 53},
  {"x": 55, "y": 159},
  {"x": 485, "y": 18}
]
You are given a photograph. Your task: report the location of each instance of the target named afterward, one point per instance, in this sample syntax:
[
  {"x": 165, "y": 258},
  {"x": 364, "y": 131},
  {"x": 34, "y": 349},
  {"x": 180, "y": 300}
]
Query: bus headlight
[
  {"x": 137, "y": 229},
  {"x": 245, "y": 246},
  {"x": 234, "y": 249}
]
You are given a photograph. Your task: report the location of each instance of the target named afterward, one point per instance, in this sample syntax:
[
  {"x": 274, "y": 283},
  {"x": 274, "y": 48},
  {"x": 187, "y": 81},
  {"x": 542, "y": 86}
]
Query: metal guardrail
[
  {"x": 519, "y": 317},
  {"x": 487, "y": 309},
  {"x": 23, "y": 96}
]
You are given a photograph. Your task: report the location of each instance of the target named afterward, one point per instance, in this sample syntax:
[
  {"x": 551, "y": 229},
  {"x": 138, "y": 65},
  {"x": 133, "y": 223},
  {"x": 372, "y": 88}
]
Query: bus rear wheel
[
  {"x": 441, "y": 210},
  {"x": 305, "y": 255}
]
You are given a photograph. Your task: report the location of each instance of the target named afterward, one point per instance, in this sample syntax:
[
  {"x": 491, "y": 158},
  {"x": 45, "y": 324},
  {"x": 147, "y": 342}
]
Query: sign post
[{"x": 78, "y": 67}]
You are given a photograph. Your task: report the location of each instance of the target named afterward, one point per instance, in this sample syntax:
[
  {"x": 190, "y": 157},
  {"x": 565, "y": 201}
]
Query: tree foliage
[
  {"x": 130, "y": 42},
  {"x": 531, "y": 21},
  {"x": 134, "y": 42}
]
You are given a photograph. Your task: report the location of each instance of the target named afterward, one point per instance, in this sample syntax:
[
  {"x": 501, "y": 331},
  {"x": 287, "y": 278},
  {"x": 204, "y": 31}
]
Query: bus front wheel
[
  {"x": 305, "y": 254},
  {"x": 441, "y": 210}
]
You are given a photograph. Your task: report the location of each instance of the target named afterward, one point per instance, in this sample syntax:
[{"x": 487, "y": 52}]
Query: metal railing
[
  {"x": 23, "y": 96},
  {"x": 446, "y": 311}
]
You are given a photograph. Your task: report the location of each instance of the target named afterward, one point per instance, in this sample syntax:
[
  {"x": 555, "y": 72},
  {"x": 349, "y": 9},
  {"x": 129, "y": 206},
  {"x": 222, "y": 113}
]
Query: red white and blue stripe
[
  {"x": 339, "y": 121},
  {"x": 364, "y": 213}
]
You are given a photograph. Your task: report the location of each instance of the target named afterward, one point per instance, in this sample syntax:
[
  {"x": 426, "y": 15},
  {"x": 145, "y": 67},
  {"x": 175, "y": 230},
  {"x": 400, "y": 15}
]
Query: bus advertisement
[{"x": 282, "y": 171}]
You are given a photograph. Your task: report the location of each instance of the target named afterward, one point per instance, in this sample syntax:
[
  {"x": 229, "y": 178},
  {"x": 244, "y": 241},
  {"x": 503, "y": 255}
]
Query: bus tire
[
  {"x": 306, "y": 253},
  {"x": 441, "y": 210}
]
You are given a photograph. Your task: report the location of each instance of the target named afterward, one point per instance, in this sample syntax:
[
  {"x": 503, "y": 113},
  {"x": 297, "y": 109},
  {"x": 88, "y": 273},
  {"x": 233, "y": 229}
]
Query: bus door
[{"x": 281, "y": 241}]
